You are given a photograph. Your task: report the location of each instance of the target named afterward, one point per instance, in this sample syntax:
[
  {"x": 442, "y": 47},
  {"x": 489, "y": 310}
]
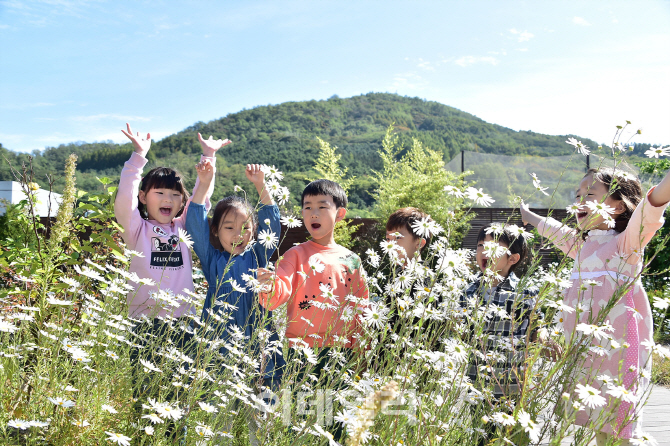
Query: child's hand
[
  {"x": 525, "y": 213},
  {"x": 210, "y": 146},
  {"x": 255, "y": 174},
  {"x": 552, "y": 349},
  {"x": 141, "y": 145},
  {"x": 266, "y": 278},
  {"x": 205, "y": 171}
]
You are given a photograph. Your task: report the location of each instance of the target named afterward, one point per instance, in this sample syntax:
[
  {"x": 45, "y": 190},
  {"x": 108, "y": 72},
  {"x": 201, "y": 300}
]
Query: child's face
[
  {"x": 162, "y": 204},
  {"x": 235, "y": 231},
  {"x": 320, "y": 215},
  {"x": 408, "y": 242},
  {"x": 501, "y": 265},
  {"x": 591, "y": 190}
]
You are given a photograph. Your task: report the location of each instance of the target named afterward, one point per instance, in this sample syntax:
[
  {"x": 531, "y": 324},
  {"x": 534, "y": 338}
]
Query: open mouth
[
  {"x": 165, "y": 211},
  {"x": 581, "y": 215},
  {"x": 484, "y": 263},
  {"x": 316, "y": 225}
]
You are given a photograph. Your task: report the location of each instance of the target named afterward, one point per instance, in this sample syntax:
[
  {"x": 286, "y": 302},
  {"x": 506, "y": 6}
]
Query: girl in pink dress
[{"x": 615, "y": 222}]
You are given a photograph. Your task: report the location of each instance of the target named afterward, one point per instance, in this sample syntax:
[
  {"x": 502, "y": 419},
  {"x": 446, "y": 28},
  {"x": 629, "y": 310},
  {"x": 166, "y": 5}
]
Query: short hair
[
  {"x": 162, "y": 178},
  {"x": 404, "y": 218},
  {"x": 325, "y": 187},
  {"x": 622, "y": 187},
  {"x": 516, "y": 244},
  {"x": 222, "y": 208}
]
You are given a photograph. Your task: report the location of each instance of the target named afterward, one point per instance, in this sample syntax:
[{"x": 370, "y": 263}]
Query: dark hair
[
  {"x": 516, "y": 244},
  {"x": 162, "y": 178},
  {"x": 221, "y": 210},
  {"x": 403, "y": 218},
  {"x": 624, "y": 188},
  {"x": 325, "y": 187}
]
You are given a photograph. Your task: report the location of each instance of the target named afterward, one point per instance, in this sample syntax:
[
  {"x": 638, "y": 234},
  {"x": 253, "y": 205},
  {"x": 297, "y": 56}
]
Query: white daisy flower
[
  {"x": 479, "y": 197},
  {"x": 316, "y": 266},
  {"x": 208, "y": 407},
  {"x": 61, "y": 402},
  {"x": 590, "y": 396},
  {"x": 119, "y": 439},
  {"x": 109, "y": 408},
  {"x": 290, "y": 221},
  {"x": 185, "y": 237},
  {"x": 655, "y": 152},
  {"x": 581, "y": 148},
  {"x": 268, "y": 238}
]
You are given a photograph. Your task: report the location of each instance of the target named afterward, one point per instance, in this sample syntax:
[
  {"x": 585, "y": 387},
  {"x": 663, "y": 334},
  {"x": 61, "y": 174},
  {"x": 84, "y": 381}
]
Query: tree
[
  {"x": 418, "y": 179},
  {"x": 327, "y": 165}
]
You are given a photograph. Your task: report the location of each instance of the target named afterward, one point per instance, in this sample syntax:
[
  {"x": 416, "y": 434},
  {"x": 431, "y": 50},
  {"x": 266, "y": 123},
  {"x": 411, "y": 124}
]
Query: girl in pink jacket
[
  {"x": 152, "y": 211},
  {"x": 615, "y": 222}
]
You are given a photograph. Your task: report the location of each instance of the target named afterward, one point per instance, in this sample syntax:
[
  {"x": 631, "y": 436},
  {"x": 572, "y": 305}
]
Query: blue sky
[{"x": 78, "y": 70}]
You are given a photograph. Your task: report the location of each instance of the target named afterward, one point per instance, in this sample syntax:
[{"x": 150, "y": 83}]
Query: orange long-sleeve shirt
[{"x": 315, "y": 281}]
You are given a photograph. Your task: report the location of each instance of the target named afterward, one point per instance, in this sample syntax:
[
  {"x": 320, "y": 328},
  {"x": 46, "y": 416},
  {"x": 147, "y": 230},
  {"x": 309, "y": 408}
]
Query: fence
[
  {"x": 504, "y": 177},
  {"x": 483, "y": 216}
]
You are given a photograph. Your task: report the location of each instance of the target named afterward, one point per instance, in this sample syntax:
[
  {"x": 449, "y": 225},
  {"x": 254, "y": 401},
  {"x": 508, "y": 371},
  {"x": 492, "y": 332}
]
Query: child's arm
[
  {"x": 209, "y": 149},
  {"x": 645, "y": 221},
  {"x": 257, "y": 177},
  {"x": 268, "y": 221},
  {"x": 196, "y": 220},
  {"x": 280, "y": 281},
  {"x": 205, "y": 172},
  {"x": 660, "y": 195},
  {"x": 125, "y": 204},
  {"x": 564, "y": 237}
]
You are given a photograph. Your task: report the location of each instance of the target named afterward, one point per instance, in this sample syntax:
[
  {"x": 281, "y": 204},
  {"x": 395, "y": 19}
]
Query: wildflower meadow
[{"x": 76, "y": 369}]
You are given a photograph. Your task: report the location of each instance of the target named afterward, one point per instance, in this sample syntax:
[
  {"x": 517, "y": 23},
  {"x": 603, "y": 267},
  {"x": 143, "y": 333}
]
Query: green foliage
[
  {"x": 417, "y": 179},
  {"x": 8, "y": 227},
  {"x": 328, "y": 167},
  {"x": 284, "y": 135}
]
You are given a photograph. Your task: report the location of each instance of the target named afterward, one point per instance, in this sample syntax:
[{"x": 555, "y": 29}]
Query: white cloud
[
  {"x": 471, "y": 60},
  {"x": 521, "y": 36},
  {"x": 581, "y": 21},
  {"x": 110, "y": 117},
  {"x": 613, "y": 18},
  {"x": 411, "y": 81},
  {"x": 425, "y": 65},
  {"x": 26, "y": 106}
]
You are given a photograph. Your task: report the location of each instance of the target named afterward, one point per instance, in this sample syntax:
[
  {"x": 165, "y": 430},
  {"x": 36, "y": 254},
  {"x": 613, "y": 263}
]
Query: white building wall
[{"x": 12, "y": 192}]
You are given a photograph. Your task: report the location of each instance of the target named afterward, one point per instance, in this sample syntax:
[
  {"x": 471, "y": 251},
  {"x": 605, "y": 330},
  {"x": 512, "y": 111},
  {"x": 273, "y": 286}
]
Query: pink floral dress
[{"x": 613, "y": 260}]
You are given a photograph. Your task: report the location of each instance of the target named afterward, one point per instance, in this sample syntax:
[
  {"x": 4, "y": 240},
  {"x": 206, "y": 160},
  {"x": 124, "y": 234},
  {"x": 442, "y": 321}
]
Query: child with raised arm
[
  {"x": 152, "y": 210},
  {"x": 233, "y": 225},
  {"x": 228, "y": 255},
  {"x": 615, "y": 222}
]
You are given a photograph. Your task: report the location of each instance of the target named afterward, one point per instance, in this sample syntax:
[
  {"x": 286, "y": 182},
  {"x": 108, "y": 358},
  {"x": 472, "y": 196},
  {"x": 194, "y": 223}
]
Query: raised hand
[
  {"x": 205, "y": 171},
  {"x": 211, "y": 145},
  {"x": 525, "y": 211},
  {"x": 266, "y": 278},
  {"x": 141, "y": 145},
  {"x": 255, "y": 175},
  {"x": 528, "y": 216}
]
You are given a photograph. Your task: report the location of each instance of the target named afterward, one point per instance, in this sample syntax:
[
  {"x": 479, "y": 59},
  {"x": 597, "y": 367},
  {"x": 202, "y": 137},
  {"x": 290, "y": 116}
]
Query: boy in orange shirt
[
  {"x": 323, "y": 284},
  {"x": 321, "y": 281}
]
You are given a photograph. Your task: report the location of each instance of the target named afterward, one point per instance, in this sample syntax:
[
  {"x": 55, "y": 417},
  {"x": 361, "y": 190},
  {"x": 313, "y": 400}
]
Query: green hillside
[{"x": 284, "y": 135}]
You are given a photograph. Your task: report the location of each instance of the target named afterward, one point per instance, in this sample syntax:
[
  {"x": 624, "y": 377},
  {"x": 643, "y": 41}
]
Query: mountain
[{"x": 284, "y": 135}]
